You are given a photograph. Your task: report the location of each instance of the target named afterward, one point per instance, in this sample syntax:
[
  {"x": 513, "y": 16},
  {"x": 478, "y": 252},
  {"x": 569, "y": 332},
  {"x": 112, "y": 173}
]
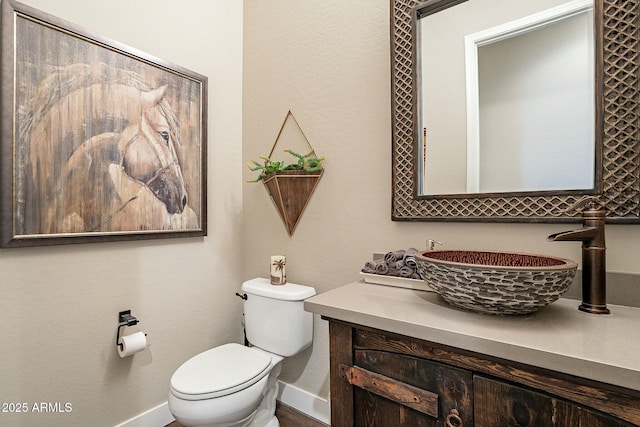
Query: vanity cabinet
[{"x": 381, "y": 379}]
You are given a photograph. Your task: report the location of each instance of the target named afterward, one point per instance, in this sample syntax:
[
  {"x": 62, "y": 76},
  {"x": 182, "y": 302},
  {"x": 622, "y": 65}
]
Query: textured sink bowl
[{"x": 496, "y": 282}]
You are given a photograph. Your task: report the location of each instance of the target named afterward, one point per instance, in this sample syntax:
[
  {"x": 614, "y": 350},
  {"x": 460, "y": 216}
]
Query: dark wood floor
[{"x": 287, "y": 416}]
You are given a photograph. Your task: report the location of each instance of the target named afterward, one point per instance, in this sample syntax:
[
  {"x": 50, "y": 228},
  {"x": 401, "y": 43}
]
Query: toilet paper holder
[{"x": 125, "y": 319}]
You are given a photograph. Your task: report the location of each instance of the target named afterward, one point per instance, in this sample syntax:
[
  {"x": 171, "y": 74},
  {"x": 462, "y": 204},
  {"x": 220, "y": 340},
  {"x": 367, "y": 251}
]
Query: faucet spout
[
  {"x": 591, "y": 235},
  {"x": 585, "y": 235}
]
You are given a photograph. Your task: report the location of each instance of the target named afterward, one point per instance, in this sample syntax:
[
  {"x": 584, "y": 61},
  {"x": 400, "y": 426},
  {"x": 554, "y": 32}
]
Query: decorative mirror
[{"x": 493, "y": 122}]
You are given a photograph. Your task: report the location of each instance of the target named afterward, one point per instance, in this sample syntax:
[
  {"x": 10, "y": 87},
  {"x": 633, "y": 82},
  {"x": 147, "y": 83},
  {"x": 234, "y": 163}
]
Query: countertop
[{"x": 605, "y": 348}]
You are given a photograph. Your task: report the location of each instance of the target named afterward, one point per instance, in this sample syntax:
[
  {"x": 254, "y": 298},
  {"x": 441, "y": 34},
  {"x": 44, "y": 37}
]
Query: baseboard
[
  {"x": 305, "y": 402},
  {"x": 290, "y": 395},
  {"x": 154, "y": 417}
]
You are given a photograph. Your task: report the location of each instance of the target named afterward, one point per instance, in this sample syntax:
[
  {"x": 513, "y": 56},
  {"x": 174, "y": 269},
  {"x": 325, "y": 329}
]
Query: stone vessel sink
[{"x": 501, "y": 283}]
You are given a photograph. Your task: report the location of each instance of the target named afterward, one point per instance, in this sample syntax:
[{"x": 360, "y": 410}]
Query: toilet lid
[{"x": 219, "y": 371}]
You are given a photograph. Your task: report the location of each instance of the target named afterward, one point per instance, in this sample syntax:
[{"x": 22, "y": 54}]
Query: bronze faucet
[{"x": 594, "y": 280}]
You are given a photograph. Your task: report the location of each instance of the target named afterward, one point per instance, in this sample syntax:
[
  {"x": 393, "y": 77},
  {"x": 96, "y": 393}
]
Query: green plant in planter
[{"x": 308, "y": 162}]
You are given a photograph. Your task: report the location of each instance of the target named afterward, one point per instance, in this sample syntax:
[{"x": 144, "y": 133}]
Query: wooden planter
[{"x": 290, "y": 192}]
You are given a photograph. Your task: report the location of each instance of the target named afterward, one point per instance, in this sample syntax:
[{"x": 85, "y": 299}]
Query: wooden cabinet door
[
  {"x": 451, "y": 388},
  {"x": 498, "y": 404}
]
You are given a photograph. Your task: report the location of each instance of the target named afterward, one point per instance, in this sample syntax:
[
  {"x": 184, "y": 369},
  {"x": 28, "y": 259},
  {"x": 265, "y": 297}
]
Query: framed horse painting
[{"x": 100, "y": 142}]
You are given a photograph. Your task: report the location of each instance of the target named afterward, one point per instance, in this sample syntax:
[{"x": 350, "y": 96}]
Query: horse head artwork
[
  {"x": 149, "y": 157},
  {"x": 101, "y": 155}
]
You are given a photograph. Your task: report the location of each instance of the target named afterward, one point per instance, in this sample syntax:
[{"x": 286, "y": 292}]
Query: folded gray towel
[
  {"x": 382, "y": 267},
  {"x": 399, "y": 263},
  {"x": 394, "y": 256},
  {"x": 409, "y": 257},
  {"x": 376, "y": 266},
  {"x": 406, "y": 272},
  {"x": 370, "y": 267},
  {"x": 396, "y": 265}
]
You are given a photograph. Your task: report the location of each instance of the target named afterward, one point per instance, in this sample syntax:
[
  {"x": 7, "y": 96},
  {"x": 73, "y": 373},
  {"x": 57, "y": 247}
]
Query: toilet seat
[{"x": 220, "y": 371}]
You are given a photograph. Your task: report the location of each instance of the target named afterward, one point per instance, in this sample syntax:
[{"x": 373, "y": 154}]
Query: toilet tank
[{"x": 274, "y": 316}]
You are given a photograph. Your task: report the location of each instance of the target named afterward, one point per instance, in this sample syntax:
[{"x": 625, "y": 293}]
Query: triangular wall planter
[{"x": 290, "y": 192}]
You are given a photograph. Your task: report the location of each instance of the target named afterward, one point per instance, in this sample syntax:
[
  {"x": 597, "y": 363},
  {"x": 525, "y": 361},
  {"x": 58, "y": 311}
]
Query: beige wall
[
  {"x": 328, "y": 61},
  {"x": 59, "y": 305}
]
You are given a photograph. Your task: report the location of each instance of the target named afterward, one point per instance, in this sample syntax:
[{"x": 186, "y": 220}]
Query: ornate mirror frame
[{"x": 617, "y": 126}]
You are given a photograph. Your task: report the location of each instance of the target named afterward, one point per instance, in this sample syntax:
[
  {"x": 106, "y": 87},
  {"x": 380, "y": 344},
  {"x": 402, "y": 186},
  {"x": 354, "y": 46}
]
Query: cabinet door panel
[
  {"x": 452, "y": 385},
  {"x": 372, "y": 410},
  {"x": 594, "y": 419},
  {"x": 498, "y": 404}
]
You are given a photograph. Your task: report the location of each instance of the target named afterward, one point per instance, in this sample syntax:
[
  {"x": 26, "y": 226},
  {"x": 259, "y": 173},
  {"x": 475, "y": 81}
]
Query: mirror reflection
[{"x": 506, "y": 100}]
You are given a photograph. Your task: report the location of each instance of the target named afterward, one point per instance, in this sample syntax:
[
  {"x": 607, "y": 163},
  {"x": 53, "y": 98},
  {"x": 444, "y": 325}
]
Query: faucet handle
[{"x": 591, "y": 203}]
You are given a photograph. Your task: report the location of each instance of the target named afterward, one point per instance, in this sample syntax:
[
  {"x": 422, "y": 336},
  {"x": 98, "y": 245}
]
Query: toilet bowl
[
  {"x": 234, "y": 385},
  {"x": 223, "y": 386}
]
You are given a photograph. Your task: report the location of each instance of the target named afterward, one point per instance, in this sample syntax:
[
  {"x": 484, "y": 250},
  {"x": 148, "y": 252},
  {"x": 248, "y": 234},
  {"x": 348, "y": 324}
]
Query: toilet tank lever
[{"x": 243, "y": 296}]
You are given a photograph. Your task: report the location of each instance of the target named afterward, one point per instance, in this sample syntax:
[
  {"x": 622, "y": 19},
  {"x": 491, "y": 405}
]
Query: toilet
[{"x": 234, "y": 385}]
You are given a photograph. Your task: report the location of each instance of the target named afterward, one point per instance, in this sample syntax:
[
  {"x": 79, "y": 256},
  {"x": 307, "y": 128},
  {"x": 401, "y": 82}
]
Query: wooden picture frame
[{"x": 99, "y": 141}]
